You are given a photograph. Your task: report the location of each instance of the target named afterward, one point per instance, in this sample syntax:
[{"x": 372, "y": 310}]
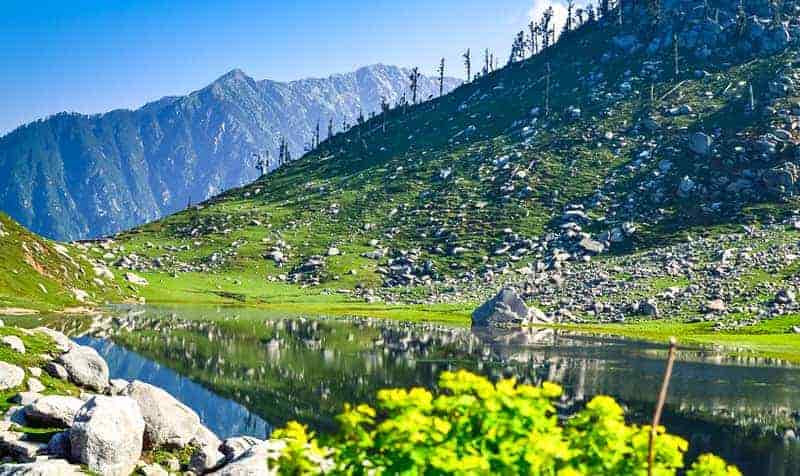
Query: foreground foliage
[{"x": 472, "y": 426}]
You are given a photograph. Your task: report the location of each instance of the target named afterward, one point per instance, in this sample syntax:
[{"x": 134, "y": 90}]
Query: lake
[{"x": 246, "y": 371}]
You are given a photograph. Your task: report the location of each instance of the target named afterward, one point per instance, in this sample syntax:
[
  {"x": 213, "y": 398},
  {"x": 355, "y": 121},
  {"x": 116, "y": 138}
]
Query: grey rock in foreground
[
  {"x": 107, "y": 435},
  {"x": 168, "y": 422},
  {"x": 507, "y": 309},
  {"x": 85, "y": 367}
]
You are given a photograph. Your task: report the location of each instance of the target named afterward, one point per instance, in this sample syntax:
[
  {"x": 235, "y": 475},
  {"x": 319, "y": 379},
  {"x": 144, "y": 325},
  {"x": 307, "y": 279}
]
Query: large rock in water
[
  {"x": 107, "y": 435},
  {"x": 507, "y": 309},
  {"x": 53, "y": 411},
  {"x": 168, "y": 422},
  {"x": 85, "y": 367}
]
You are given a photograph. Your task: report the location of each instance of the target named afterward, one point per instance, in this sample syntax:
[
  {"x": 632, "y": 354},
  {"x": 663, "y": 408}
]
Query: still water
[{"x": 245, "y": 371}]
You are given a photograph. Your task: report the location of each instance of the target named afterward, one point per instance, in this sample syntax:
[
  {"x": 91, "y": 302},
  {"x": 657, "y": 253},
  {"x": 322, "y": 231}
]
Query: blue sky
[{"x": 92, "y": 56}]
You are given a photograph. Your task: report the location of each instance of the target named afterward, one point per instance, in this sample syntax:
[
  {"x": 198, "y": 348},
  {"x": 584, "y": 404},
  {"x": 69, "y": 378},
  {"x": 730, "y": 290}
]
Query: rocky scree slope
[
  {"x": 486, "y": 185},
  {"x": 73, "y": 176}
]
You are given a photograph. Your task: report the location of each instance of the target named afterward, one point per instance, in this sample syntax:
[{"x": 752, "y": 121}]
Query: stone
[
  {"x": 591, "y": 245},
  {"x": 85, "y": 367},
  {"x": 700, "y": 143},
  {"x": 35, "y": 385},
  {"x": 685, "y": 187},
  {"x": 54, "y": 411},
  {"x": 234, "y": 447},
  {"x": 58, "y": 446},
  {"x": 45, "y": 467},
  {"x": 796, "y": 329},
  {"x": 14, "y": 444},
  {"x": 507, "y": 309},
  {"x": 10, "y": 376},
  {"x": 56, "y": 370},
  {"x": 649, "y": 308},
  {"x": 63, "y": 343},
  {"x": 785, "y": 296},
  {"x": 26, "y": 398},
  {"x": 15, "y": 343},
  {"x": 716, "y": 305},
  {"x": 117, "y": 386},
  {"x": 35, "y": 371},
  {"x": 136, "y": 279},
  {"x": 107, "y": 435},
  {"x": 154, "y": 470},
  {"x": 206, "y": 456},
  {"x": 168, "y": 422},
  {"x": 253, "y": 462}
]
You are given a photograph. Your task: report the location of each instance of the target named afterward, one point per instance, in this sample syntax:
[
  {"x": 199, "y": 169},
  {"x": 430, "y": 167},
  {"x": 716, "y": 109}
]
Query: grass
[{"x": 771, "y": 339}]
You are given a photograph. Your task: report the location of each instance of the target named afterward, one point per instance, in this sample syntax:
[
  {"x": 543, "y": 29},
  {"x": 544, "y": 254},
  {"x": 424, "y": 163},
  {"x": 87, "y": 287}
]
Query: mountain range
[{"x": 74, "y": 176}]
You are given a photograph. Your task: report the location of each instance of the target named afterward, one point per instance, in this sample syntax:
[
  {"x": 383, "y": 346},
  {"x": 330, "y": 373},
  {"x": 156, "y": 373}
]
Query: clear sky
[{"x": 92, "y": 56}]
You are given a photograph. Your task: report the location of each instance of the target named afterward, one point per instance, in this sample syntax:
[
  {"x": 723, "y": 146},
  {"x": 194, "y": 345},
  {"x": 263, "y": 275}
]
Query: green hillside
[{"x": 40, "y": 275}]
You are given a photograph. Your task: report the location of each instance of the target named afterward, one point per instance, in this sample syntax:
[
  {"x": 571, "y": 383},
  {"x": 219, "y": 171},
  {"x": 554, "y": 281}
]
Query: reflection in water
[{"x": 304, "y": 369}]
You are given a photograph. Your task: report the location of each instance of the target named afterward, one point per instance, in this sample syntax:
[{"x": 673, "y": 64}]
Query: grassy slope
[{"x": 37, "y": 274}]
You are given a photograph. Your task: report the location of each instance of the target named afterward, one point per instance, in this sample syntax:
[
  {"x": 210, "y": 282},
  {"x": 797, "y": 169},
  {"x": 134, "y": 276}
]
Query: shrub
[{"x": 474, "y": 427}]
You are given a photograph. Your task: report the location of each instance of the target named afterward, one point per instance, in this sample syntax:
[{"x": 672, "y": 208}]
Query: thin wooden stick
[
  {"x": 662, "y": 397},
  {"x": 672, "y": 90}
]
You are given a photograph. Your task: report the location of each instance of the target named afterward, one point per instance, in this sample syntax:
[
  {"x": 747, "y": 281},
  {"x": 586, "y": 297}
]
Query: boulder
[
  {"x": 700, "y": 143},
  {"x": 63, "y": 343},
  {"x": 35, "y": 385},
  {"x": 206, "y": 456},
  {"x": 253, "y": 462},
  {"x": 507, "y": 309},
  {"x": 232, "y": 448},
  {"x": 15, "y": 445},
  {"x": 10, "y": 376},
  {"x": 168, "y": 422},
  {"x": 15, "y": 343},
  {"x": 153, "y": 470},
  {"x": 45, "y": 467},
  {"x": 58, "y": 446},
  {"x": 53, "y": 411},
  {"x": 56, "y": 370},
  {"x": 85, "y": 367},
  {"x": 136, "y": 279},
  {"x": 591, "y": 246},
  {"x": 107, "y": 435}
]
